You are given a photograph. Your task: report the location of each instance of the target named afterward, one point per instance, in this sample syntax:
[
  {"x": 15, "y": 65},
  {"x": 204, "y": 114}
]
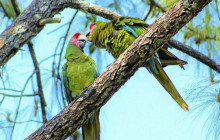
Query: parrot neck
[{"x": 73, "y": 52}]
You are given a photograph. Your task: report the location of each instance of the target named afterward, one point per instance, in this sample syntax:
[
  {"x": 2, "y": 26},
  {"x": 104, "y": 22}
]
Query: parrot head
[
  {"x": 79, "y": 40},
  {"x": 91, "y": 28}
]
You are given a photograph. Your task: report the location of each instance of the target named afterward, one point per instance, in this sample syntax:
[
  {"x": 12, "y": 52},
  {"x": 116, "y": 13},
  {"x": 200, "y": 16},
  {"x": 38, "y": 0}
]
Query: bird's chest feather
[{"x": 80, "y": 75}]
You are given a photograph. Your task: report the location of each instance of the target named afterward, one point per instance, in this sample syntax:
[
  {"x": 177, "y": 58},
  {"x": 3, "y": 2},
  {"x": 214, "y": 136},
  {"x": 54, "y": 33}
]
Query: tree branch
[
  {"x": 49, "y": 20},
  {"x": 195, "y": 54},
  {"x": 24, "y": 95},
  {"x": 97, "y": 94},
  {"x": 39, "y": 84}
]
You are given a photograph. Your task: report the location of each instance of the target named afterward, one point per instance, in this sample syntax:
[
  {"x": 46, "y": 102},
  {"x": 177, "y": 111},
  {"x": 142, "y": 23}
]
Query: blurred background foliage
[{"x": 20, "y": 102}]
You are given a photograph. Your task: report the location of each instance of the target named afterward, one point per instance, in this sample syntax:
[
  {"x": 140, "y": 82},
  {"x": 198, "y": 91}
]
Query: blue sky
[{"x": 141, "y": 109}]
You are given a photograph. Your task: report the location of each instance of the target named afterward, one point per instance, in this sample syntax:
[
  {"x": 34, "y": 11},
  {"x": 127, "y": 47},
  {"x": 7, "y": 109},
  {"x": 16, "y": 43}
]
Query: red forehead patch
[
  {"x": 91, "y": 25},
  {"x": 76, "y": 35}
]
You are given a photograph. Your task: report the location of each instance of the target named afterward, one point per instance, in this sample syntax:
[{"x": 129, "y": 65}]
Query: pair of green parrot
[{"x": 116, "y": 36}]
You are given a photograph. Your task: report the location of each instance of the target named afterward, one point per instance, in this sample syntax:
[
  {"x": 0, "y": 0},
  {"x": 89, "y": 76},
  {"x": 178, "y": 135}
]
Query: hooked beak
[
  {"x": 87, "y": 33},
  {"x": 91, "y": 28},
  {"x": 82, "y": 41}
]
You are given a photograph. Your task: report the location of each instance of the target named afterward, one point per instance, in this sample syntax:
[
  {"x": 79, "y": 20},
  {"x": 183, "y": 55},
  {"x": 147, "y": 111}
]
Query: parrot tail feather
[
  {"x": 168, "y": 85},
  {"x": 91, "y": 128}
]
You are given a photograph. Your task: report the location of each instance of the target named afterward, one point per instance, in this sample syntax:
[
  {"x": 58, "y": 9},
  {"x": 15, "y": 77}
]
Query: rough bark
[{"x": 97, "y": 94}]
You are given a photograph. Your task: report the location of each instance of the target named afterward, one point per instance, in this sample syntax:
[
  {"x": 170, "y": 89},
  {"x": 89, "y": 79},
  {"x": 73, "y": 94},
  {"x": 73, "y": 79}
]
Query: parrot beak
[
  {"x": 87, "y": 33},
  {"x": 91, "y": 28},
  {"x": 82, "y": 41}
]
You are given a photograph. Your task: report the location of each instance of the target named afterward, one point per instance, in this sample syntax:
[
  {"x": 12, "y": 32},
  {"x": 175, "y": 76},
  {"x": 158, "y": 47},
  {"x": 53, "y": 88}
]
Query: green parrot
[
  {"x": 79, "y": 72},
  {"x": 116, "y": 36}
]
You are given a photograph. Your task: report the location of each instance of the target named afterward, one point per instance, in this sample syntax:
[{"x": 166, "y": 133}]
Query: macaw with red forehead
[
  {"x": 117, "y": 35},
  {"x": 79, "y": 72}
]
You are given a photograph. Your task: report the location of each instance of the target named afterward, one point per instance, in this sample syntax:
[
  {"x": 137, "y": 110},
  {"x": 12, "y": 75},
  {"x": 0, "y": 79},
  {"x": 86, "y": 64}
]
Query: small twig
[
  {"x": 14, "y": 90},
  {"x": 195, "y": 54},
  {"x": 28, "y": 121},
  {"x": 216, "y": 3},
  {"x": 157, "y": 5},
  {"x": 49, "y": 57},
  {"x": 3, "y": 83},
  {"x": 54, "y": 69},
  {"x": 26, "y": 95},
  {"x": 49, "y": 20},
  {"x": 19, "y": 102},
  {"x": 61, "y": 26},
  {"x": 152, "y": 4},
  {"x": 40, "y": 88},
  {"x": 149, "y": 11},
  {"x": 3, "y": 127}
]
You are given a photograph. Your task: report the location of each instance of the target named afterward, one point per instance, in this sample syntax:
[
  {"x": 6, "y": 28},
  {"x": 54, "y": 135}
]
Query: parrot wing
[
  {"x": 69, "y": 94},
  {"x": 94, "y": 66}
]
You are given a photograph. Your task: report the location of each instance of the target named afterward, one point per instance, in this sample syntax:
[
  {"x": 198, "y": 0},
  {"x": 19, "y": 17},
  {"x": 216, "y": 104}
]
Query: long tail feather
[
  {"x": 168, "y": 85},
  {"x": 91, "y": 129}
]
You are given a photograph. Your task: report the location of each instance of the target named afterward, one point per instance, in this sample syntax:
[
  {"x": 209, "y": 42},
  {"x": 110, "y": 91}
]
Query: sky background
[{"x": 140, "y": 110}]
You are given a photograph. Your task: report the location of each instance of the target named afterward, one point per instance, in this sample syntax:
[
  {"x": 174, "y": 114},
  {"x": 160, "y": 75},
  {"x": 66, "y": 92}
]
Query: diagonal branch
[{"x": 99, "y": 92}]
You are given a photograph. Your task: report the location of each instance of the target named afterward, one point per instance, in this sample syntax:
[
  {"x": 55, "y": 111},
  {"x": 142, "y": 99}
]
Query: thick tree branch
[
  {"x": 97, "y": 94},
  {"x": 195, "y": 54}
]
